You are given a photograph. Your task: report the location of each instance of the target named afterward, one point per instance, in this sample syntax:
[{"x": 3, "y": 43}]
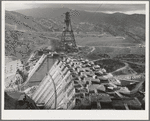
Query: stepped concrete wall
[
  {"x": 41, "y": 71},
  {"x": 51, "y": 90}
]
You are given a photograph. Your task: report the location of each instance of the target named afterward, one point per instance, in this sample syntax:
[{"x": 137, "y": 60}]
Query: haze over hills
[
  {"x": 19, "y": 21},
  {"x": 117, "y": 24}
]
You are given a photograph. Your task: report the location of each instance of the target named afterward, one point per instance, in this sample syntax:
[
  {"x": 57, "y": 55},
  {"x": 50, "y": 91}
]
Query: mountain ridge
[{"x": 117, "y": 24}]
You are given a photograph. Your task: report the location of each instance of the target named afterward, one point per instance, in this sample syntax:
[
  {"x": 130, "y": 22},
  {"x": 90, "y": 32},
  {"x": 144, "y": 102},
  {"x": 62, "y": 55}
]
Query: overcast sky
[{"x": 108, "y": 8}]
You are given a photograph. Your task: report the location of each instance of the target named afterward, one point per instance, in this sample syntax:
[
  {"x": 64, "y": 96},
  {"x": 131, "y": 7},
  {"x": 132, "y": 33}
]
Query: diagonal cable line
[{"x": 95, "y": 12}]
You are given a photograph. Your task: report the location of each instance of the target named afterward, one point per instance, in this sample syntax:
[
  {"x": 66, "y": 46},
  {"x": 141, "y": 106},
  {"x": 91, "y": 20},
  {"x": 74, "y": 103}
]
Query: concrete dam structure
[
  {"x": 55, "y": 88},
  {"x": 39, "y": 71},
  {"x": 80, "y": 84},
  {"x": 35, "y": 73},
  {"x": 66, "y": 82}
]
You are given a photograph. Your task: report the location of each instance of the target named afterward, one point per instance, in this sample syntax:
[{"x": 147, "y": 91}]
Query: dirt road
[
  {"x": 122, "y": 68},
  {"x": 141, "y": 64},
  {"x": 92, "y": 49}
]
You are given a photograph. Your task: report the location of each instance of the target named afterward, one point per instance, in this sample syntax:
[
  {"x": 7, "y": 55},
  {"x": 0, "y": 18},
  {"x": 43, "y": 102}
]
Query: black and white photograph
[{"x": 91, "y": 57}]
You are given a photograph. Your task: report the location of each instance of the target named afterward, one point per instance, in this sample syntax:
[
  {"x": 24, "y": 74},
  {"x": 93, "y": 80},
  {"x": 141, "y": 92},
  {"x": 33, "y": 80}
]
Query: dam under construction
[
  {"x": 57, "y": 81},
  {"x": 64, "y": 81}
]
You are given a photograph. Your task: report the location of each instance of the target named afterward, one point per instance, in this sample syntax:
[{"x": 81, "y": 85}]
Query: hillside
[
  {"x": 21, "y": 22},
  {"x": 24, "y": 34},
  {"x": 117, "y": 24},
  {"x": 20, "y": 44},
  {"x": 30, "y": 29}
]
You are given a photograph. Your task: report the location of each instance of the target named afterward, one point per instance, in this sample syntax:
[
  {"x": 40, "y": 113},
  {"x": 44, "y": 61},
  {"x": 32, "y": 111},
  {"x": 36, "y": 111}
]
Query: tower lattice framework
[{"x": 67, "y": 38}]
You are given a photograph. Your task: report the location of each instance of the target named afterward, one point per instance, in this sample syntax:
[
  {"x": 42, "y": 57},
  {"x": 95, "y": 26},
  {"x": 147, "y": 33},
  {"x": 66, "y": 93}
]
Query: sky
[{"x": 127, "y": 8}]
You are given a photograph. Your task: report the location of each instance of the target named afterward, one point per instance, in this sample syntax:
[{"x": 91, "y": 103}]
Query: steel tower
[{"x": 67, "y": 39}]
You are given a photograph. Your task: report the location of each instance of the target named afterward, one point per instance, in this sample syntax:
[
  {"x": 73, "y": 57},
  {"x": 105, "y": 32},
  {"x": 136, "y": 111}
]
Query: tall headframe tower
[{"x": 67, "y": 39}]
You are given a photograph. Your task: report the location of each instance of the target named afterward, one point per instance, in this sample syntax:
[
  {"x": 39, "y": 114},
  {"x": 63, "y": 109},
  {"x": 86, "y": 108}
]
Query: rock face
[
  {"x": 17, "y": 100},
  {"x": 10, "y": 103}
]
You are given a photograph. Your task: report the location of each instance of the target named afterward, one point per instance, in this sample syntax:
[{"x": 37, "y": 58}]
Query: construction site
[{"x": 63, "y": 80}]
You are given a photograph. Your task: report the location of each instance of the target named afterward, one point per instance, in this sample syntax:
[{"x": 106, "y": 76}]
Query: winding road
[
  {"x": 124, "y": 61},
  {"x": 141, "y": 64},
  {"x": 92, "y": 49},
  {"x": 122, "y": 68}
]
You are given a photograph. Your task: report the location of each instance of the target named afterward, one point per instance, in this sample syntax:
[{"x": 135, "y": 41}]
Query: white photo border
[{"x": 77, "y": 114}]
